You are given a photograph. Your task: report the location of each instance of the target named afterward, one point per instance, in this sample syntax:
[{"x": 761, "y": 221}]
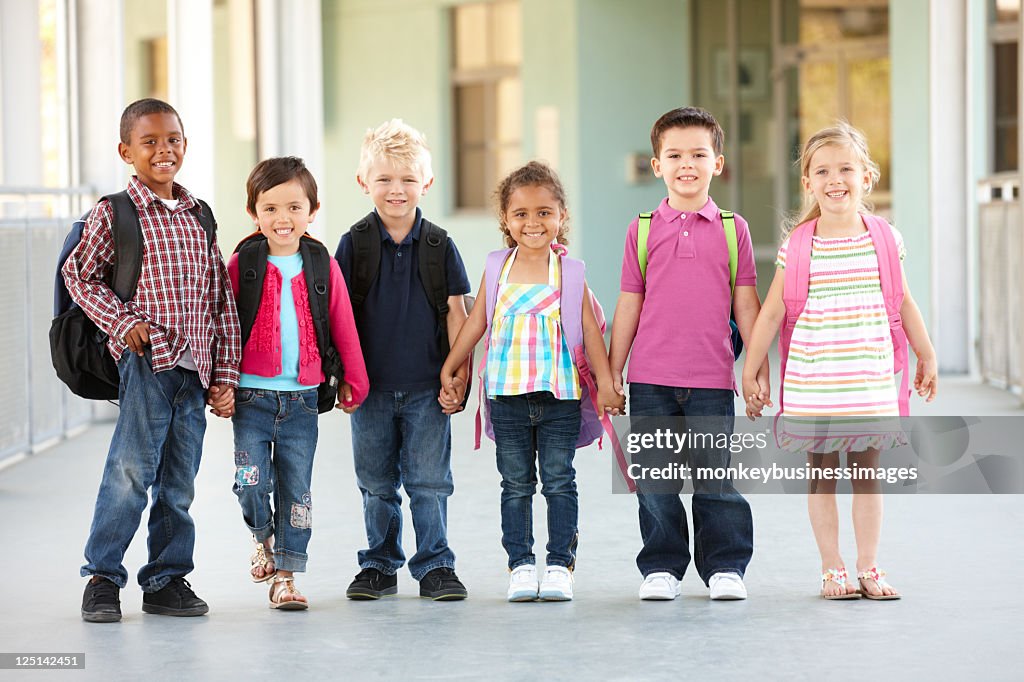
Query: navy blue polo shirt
[{"x": 398, "y": 328}]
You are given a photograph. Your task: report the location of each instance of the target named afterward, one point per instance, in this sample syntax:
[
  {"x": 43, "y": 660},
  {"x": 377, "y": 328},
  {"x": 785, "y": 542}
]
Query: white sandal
[
  {"x": 261, "y": 559},
  {"x": 281, "y": 586}
]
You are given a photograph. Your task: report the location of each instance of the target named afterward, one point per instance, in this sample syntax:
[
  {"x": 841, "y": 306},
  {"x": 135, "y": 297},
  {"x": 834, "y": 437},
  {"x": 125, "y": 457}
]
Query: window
[
  {"x": 487, "y": 98},
  {"x": 1004, "y": 35}
]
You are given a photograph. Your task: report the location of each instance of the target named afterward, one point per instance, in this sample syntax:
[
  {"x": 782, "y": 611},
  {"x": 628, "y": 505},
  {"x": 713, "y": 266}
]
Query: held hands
[
  {"x": 612, "y": 401},
  {"x": 221, "y": 400},
  {"x": 926, "y": 381},
  {"x": 453, "y": 390},
  {"x": 757, "y": 393},
  {"x": 137, "y": 338},
  {"x": 345, "y": 396}
]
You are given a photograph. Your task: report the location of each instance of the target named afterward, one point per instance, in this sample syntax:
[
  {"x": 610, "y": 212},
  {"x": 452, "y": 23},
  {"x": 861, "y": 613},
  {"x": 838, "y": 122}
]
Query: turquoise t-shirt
[{"x": 288, "y": 379}]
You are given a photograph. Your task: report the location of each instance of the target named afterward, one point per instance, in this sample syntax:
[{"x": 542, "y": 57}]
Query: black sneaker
[
  {"x": 370, "y": 583},
  {"x": 101, "y": 603},
  {"x": 442, "y": 584},
  {"x": 176, "y": 598}
]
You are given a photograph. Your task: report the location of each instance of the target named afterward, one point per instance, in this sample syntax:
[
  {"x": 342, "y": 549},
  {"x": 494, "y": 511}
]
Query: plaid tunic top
[
  {"x": 183, "y": 290},
  {"x": 527, "y": 350}
]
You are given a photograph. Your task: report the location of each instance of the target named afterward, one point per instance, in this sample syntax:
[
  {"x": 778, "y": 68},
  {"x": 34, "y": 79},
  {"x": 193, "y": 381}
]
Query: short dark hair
[
  {"x": 144, "y": 107},
  {"x": 687, "y": 117},
  {"x": 277, "y": 171}
]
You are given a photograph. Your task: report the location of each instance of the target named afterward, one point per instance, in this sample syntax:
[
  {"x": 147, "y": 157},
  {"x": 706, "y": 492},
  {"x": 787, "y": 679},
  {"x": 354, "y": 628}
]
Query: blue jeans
[
  {"x": 157, "y": 444},
  {"x": 530, "y": 429},
  {"x": 287, "y": 422},
  {"x": 403, "y": 438},
  {"x": 723, "y": 529}
]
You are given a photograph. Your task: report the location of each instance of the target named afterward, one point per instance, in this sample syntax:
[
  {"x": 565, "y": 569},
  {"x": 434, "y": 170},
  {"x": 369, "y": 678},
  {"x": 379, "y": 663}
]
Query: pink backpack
[
  {"x": 797, "y": 282},
  {"x": 592, "y": 419}
]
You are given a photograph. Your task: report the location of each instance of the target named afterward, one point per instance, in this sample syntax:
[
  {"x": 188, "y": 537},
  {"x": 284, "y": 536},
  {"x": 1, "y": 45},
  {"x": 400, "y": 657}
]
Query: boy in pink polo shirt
[{"x": 675, "y": 317}]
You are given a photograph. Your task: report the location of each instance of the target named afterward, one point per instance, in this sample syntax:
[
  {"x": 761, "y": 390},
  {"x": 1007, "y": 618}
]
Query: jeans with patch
[
  {"x": 723, "y": 528},
  {"x": 155, "y": 450},
  {"x": 532, "y": 429},
  {"x": 403, "y": 438},
  {"x": 275, "y": 440}
]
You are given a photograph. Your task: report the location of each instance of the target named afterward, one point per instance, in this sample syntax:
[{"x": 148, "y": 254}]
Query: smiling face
[
  {"x": 156, "y": 148},
  {"x": 395, "y": 190},
  {"x": 687, "y": 162},
  {"x": 283, "y": 215},
  {"x": 837, "y": 179},
  {"x": 534, "y": 216}
]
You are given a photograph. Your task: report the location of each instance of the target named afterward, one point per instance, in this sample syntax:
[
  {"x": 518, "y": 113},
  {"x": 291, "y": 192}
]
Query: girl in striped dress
[
  {"x": 531, "y": 380},
  {"x": 840, "y": 366}
]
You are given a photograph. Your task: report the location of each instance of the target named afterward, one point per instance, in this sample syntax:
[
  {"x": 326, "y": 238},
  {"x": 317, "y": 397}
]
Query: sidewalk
[{"x": 953, "y": 556}]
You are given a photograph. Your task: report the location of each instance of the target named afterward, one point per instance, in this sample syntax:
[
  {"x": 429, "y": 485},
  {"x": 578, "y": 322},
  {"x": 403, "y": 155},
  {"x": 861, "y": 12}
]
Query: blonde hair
[
  {"x": 839, "y": 135},
  {"x": 398, "y": 143}
]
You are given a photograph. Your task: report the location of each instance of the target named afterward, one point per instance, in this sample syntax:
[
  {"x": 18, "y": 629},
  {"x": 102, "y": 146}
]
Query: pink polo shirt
[{"x": 683, "y": 339}]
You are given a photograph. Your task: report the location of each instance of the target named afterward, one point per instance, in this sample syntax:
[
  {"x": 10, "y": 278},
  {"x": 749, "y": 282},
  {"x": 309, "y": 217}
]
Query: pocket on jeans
[
  {"x": 309, "y": 401},
  {"x": 244, "y": 396}
]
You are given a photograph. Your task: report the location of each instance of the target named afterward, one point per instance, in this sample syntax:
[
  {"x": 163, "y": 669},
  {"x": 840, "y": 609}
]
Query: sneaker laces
[
  {"x": 183, "y": 588},
  {"x": 103, "y": 590},
  {"x": 524, "y": 577}
]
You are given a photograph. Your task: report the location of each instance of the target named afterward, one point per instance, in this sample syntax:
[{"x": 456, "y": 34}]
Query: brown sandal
[
  {"x": 260, "y": 559},
  {"x": 281, "y": 586}
]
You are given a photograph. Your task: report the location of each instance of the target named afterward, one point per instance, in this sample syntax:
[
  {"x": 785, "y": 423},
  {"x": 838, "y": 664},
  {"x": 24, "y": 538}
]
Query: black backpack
[
  {"x": 78, "y": 348},
  {"x": 316, "y": 268}
]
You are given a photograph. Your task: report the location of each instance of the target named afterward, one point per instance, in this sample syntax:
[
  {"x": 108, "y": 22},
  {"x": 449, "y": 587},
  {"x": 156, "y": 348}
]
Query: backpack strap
[
  {"x": 890, "y": 274},
  {"x": 492, "y": 273},
  {"x": 204, "y": 214},
  {"x": 729, "y": 224},
  {"x": 794, "y": 290},
  {"x": 252, "y": 270},
  {"x": 643, "y": 231},
  {"x": 365, "y": 257},
  {"x": 316, "y": 268},
  {"x": 126, "y": 233},
  {"x": 433, "y": 252}
]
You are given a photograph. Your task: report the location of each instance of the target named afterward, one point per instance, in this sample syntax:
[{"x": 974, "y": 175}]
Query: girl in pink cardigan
[{"x": 297, "y": 327}]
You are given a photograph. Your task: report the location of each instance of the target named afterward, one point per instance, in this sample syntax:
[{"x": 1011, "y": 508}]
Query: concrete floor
[{"x": 954, "y": 557}]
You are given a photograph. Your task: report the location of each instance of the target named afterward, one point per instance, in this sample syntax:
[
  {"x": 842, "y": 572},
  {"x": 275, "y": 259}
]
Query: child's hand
[
  {"x": 137, "y": 338},
  {"x": 451, "y": 394},
  {"x": 345, "y": 396},
  {"x": 617, "y": 383},
  {"x": 611, "y": 401},
  {"x": 926, "y": 382},
  {"x": 755, "y": 396},
  {"x": 221, "y": 399}
]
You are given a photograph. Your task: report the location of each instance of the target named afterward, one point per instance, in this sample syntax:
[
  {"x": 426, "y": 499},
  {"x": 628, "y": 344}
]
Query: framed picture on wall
[{"x": 752, "y": 79}]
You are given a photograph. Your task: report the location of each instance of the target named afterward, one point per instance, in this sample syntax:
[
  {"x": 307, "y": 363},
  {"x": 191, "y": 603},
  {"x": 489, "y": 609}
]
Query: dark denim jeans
[
  {"x": 723, "y": 529},
  {"x": 156, "y": 445},
  {"x": 530, "y": 429},
  {"x": 403, "y": 438},
  {"x": 285, "y": 421}
]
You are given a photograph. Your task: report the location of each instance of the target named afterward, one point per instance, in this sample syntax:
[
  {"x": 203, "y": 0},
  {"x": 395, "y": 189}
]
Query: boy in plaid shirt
[{"x": 177, "y": 346}]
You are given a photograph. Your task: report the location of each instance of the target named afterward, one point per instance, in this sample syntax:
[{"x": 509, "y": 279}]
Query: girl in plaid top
[{"x": 532, "y": 381}]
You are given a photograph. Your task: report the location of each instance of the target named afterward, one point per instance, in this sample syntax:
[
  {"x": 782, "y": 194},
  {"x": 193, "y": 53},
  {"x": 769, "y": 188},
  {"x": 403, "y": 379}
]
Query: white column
[
  {"x": 190, "y": 88},
  {"x": 950, "y": 190},
  {"x": 289, "y": 68},
  {"x": 100, "y": 77},
  {"x": 22, "y": 156}
]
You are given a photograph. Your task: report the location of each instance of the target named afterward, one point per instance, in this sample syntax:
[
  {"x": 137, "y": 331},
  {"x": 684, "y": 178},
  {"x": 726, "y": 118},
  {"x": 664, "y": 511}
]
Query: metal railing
[
  {"x": 1000, "y": 280},
  {"x": 38, "y": 408}
]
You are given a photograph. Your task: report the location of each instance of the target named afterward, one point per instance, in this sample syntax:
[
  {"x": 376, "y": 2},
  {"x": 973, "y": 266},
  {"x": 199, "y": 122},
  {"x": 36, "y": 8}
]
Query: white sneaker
[
  {"x": 557, "y": 584},
  {"x": 659, "y": 587},
  {"x": 726, "y": 586},
  {"x": 522, "y": 585}
]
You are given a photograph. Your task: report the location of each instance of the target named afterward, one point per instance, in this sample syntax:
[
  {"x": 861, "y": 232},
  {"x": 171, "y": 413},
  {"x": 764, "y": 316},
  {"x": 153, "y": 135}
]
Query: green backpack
[{"x": 729, "y": 223}]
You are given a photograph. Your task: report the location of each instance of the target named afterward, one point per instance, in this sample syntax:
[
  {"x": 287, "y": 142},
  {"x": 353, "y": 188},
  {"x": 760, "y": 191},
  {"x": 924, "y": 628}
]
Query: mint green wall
[
  {"x": 908, "y": 23},
  {"x": 143, "y": 20},
  {"x": 634, "y": 65}
]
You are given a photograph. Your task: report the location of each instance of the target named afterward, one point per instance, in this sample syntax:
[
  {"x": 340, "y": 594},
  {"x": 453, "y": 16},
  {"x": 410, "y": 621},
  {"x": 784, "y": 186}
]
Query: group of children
[{"x": 283, "y": 332}]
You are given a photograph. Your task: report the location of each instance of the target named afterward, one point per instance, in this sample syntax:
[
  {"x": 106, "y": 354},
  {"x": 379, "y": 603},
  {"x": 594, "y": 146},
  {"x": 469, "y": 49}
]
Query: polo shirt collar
[
  {"x": 709, "y": 211},
  {"x": 143, "y": 197},
  {"x": 416, "y": 224}
]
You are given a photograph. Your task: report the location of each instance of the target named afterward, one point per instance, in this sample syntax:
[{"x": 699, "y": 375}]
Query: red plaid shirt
[{"x": 183, "y": 291}]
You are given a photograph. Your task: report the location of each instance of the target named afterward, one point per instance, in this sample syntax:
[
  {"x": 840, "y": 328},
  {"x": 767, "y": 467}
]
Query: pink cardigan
[{"x": 262, "y": 353}]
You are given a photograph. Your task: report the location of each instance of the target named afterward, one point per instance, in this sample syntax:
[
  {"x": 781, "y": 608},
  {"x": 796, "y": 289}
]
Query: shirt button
[
  {"x": 682, "y": 216},
  {"x": 685, "y": 233}
]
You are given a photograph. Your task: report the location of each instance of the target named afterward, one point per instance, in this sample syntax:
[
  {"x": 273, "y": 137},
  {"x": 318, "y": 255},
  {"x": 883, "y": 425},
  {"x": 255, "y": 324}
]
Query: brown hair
[
  {"x": 144, "y": 107},
  {"x": 842, "y": 134},
  {"x": 277, "y": 171},
  {"x": 533, "y": 174},
  {"x": 687, "y": 117}
]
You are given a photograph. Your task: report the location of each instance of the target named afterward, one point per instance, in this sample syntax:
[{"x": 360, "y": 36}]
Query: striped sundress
[
  {"x": 840, "y": 393},
  {"x": 527, "y": 351}
]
